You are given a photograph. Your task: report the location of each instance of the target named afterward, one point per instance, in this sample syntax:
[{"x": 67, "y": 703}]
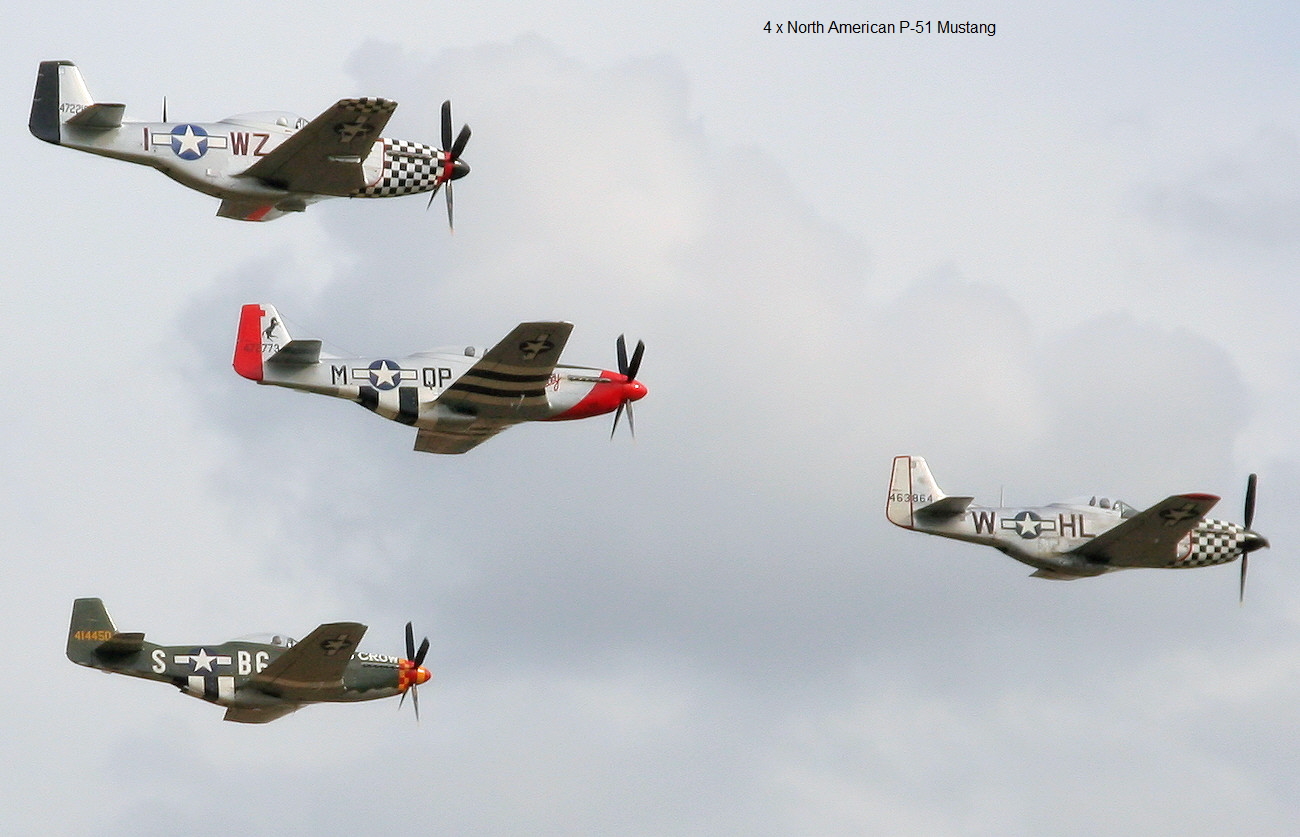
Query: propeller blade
[
  {"x": 446, "y": 124},
  {"x": 461, "y": 140},
  {"x": 617, "y": 414},
  {"x": 636, "y": 361},
  {"x": 1241, "y": 592},
  {"x": 416, "y": 658},
  {"x": 621, "y": 345},
  {"x": 1250, "y": 501},
  {"x": 432, "y": 195},
  {"x": 450, "y": 222},
  {"x": 164, "y": 108},
  {"x": 631, "y": 425}
]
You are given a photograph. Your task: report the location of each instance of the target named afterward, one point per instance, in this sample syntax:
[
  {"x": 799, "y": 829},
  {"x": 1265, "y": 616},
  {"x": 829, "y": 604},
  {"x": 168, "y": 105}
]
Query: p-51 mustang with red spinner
[
  {"x": 261, "y": 165},
  {"x": 1077, "y": 539},
  {"x": 455, "y": 398},
  {"x": 257, "y": 679}
]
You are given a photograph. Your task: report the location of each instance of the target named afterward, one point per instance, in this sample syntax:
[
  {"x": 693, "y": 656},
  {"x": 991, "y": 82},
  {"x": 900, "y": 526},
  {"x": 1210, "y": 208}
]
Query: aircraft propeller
[
  {"x": 628, "y": 371},
  {"x": 454, "y": 167},
  {"x": 410, "y": 671},
  {"x": 1249, "y": 518}
]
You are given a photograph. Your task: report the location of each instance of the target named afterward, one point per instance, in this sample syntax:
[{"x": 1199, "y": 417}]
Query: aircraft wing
[
  {"x": 325, "y": 155},
  {"x": 509, "y": 381},
  {"x": 259, "y": 714},
  {"x": 312, "y": 666},
  {"x": 456, "y": 439},
  {"x": 1149, "y": 539},
  {"x": 246, "y": 209}
]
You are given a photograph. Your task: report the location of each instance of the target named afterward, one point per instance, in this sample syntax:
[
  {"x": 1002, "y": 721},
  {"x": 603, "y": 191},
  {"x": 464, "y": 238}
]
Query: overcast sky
[{"x": 1056, "y": 262}]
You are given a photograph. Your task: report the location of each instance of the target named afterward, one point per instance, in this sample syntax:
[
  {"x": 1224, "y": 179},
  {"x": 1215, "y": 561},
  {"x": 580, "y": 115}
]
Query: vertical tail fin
[
  {"x": 261, "y": 334},
  {"x": 911, "y": 487},
  {"x": 93, "y": 640},
  {"x": 60, "y": 95},
  {"x": 91, "y": 626}
]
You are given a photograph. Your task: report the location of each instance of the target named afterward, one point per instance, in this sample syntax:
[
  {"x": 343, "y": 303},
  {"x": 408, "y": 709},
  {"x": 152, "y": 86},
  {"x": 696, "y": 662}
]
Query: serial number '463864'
[{"x": 911, "y": 498}]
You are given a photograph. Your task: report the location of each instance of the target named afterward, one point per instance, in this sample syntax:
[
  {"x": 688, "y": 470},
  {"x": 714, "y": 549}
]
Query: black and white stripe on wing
[{"x": 495, "y": 387}]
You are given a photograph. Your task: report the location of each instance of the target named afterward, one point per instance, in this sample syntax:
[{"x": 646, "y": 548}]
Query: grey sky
[{"x": 1057, "y": 261}]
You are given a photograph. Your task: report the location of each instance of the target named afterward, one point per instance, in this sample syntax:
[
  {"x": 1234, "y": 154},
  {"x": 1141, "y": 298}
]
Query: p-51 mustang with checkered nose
[
  {"x": 257, "y": 679},
  {"x": 455, "y": 399},
  {"x": 261, "y": 165},
  {"x": 1077, "y": 539}
]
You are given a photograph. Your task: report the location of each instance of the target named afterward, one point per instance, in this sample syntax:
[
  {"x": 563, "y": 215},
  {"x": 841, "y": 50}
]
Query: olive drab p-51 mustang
[
  {"x": 1077, "y": 539},
  {"x": 261, "y": 165},
  {"x": 257, "y": 679},
  {"x": 454, "y": 398}
]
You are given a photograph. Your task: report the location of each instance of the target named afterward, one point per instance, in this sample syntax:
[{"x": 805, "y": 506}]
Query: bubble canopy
[
  {"x": 278, "y": 640},
  {"x": 1096, "y": 500}
]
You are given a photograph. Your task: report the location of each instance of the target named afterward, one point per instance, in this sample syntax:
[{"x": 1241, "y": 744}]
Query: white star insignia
[
  {"x": 385, "y": 374},
  {"x": 190, "y": 141},
  {"x": 202, "y": 660}
]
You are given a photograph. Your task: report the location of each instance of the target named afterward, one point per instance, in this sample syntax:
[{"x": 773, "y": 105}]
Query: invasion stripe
[
  {"x": 408, "y": 405},
  {"x": 369, "y": 398},
  {"x": 498, "y": 392},
  {"x": 511, "y": 377}
]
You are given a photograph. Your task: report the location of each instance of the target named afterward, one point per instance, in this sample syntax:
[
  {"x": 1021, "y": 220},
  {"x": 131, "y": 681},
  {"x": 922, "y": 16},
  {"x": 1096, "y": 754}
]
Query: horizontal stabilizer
[
  {"x": 297, "y": 353},
  {"x": 121, "y": 645},
  {"x": 99, "y": 115},
  {"x": 944, "y": 508}
]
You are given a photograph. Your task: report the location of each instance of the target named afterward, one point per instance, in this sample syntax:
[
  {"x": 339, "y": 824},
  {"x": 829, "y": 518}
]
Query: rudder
[
  {"x": 911, "y": 487},
  {"x": 60, "y": 95},
  {"x": 261, "y": 335}
]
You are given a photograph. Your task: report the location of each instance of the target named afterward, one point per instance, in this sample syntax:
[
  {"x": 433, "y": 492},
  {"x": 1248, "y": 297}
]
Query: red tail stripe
[{"x": 248, "y": 343}]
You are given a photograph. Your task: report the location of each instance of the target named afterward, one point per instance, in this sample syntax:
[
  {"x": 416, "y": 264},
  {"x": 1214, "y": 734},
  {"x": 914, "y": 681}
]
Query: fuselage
[
  {"x": 223, "y": 673},
  {"x": 213, "y": 157},
  {"x": 1045, "y": 537},
  {"x": 405, "y": 389}
]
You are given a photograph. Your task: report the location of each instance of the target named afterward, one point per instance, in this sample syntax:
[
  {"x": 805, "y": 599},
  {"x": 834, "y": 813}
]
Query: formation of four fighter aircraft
[{"x": 265, "y": 165}]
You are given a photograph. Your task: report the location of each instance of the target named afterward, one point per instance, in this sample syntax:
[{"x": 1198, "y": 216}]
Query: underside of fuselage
[{"x": 1059, "y": 567}]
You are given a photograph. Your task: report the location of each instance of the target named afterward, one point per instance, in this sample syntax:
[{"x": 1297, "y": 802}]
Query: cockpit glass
[
  {"x": 278, "y": 640},
  {"x": 1124, "y": 509}
]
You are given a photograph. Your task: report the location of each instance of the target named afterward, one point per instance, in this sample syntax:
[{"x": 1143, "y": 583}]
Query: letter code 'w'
[{"x": 983, "y": 521}]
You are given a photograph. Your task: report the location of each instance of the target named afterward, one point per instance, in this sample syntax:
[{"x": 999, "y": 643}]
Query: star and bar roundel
[
  {"x": 189, "y": 141},
  {"x": 1028, "y": 524},
  {"x": 385, "y": 374}
]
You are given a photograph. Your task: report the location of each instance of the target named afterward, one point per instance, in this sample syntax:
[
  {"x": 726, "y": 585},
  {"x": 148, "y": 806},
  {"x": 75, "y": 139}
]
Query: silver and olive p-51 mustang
[
  {"x": 1077, "y": 539},
  {"x": 454, "y": 398},
  {"x": 261, "y": 165},
  {"x": 257, "y": 679}
]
